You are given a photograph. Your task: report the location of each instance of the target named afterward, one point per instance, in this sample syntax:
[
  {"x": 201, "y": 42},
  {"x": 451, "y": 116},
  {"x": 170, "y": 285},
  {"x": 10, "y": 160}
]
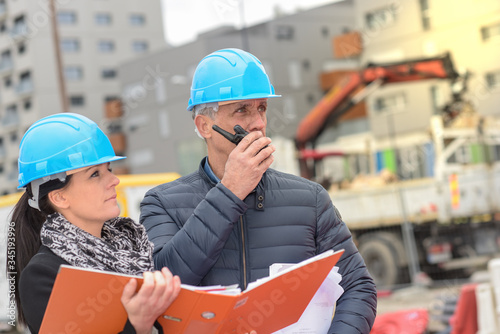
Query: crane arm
[{"x": 339, "y": 99}]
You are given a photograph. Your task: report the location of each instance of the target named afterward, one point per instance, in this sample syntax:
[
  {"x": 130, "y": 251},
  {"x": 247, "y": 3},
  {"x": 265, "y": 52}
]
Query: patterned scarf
[{"x": 123, "y": 247}]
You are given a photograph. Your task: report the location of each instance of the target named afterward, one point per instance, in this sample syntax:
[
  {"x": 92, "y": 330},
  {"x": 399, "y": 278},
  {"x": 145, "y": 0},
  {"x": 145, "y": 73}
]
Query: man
[{"x": 229, "y": 221}]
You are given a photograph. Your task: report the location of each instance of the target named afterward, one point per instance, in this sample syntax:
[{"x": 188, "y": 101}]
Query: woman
[{"x": 68, "y": 215}]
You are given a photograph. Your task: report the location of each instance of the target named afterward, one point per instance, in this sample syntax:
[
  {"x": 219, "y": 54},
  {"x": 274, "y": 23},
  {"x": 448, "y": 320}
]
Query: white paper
[{"x": 318, "y": 315}]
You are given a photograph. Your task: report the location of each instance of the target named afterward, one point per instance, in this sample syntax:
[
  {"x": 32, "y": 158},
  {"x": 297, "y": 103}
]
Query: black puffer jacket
[{"x": 206, "y": 235}]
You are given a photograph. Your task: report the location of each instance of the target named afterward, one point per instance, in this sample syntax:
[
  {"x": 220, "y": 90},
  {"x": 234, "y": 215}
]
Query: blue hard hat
[
  {"x": 229, "y": 74},
  {"x": 60, "y": 143}
]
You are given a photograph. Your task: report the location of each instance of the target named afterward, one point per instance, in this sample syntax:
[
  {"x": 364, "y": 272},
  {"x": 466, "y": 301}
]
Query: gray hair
[{"x": 207, "y": 109}]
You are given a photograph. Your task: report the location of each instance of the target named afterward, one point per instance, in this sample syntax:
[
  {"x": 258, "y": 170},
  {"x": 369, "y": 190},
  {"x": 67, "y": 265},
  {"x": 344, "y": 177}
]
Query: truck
[
  {"x": 130, "y": 193},
  {"x": 445, "y": 223}
]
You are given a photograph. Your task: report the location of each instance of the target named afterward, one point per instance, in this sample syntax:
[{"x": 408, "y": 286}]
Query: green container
[{"x": 390, "y": 162}]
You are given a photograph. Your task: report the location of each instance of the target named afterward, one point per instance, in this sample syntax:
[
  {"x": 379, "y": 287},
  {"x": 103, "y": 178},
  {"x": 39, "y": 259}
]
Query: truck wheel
[{"x": 381, "y": 261}]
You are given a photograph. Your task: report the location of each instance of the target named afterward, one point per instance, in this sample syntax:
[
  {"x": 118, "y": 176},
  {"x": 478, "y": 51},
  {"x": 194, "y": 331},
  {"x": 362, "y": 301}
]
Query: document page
[{"x": 318, "y": 315}]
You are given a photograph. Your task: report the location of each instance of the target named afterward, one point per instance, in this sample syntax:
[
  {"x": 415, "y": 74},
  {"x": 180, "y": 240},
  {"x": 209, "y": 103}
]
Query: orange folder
[{"x": 88, "y": 301}]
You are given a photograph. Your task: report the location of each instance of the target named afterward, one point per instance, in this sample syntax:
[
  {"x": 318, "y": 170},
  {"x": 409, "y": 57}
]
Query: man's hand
[
  {"x": 247, "y": 163},
  {"x": 157, "y": 292}
]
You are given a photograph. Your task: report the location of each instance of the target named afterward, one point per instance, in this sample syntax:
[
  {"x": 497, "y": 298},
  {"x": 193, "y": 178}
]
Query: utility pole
[
  {"x": 57, "y": 51},
  {"x": 407, "y": 227},
  {"x": 244, "y": 32}
]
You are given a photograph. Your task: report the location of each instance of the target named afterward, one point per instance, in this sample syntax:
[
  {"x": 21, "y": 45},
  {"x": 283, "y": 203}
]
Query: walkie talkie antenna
[{"x": 233, "y": 138}]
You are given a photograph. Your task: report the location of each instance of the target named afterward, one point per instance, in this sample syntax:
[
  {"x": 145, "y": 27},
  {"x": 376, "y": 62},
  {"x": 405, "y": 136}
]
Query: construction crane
[{"x": 355, "y": 86}]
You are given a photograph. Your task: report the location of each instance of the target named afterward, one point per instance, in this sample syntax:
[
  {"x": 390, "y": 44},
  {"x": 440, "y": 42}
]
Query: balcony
[
  {"x": 25, "y": 87},
  {"x": 11, "y": 119},
  {"x": 6, "y": 66},
  {"x": 3, "y": 10},
  {"x": 19, "y": 32}
]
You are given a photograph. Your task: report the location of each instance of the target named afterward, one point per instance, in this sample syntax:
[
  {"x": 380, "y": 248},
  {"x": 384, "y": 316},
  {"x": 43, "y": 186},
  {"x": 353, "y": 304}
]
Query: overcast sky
[{"x": 184, "y": 19}]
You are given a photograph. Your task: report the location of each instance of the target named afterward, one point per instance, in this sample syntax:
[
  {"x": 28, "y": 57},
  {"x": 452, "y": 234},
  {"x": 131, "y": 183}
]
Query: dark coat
[
  {"x": 35, "y": 286},
  {"x": 206, "y": 235}
]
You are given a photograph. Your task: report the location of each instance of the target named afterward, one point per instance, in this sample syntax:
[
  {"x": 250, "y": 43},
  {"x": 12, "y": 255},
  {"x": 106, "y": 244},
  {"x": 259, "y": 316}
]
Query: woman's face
[{"x": 90, "y": 197}]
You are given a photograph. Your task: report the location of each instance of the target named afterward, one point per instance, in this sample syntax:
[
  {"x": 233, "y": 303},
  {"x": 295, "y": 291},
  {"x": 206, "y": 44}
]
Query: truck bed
[{"x": 421, "y": 200}]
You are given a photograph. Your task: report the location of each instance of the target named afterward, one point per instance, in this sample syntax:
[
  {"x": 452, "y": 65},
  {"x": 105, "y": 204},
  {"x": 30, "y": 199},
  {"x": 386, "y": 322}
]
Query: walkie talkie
[{"x": 233, "y": 138}]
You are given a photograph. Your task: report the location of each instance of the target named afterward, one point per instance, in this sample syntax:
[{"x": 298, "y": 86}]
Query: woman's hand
[{"x": 157, "y": 292}]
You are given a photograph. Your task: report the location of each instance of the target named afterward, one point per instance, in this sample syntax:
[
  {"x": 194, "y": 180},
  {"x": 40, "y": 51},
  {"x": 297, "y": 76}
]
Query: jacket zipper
[{"x": 244, "y": 255}]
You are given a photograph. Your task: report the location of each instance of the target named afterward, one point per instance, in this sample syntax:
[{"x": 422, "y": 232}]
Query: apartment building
[
  {"x": 294, "y": 49},
  {"x": 398, "y": 115},
  {"x": 412, "y": 29},
  {"x": 94, "y": 37}
]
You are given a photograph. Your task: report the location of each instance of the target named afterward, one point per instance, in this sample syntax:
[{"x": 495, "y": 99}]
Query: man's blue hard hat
[
  {"x": 60, "y": 143},
  {"x": 229, "y": 74}
]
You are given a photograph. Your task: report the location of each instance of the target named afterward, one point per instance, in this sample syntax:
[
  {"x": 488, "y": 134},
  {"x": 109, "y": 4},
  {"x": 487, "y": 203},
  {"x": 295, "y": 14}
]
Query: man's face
[{"x": 249, "y": 114}]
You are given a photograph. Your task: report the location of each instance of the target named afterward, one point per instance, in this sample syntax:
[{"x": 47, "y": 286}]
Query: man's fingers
[{"x": 249, "y": 139}]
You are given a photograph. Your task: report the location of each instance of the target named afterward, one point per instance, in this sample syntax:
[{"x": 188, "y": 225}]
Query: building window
[
  {"x": 108, "y": 73},
  {"x": 20, "y": 28},
  {"x": 25, "y": 83},
  {"x": 77, "y": 100},
  {"x": 7, "y": 82},
  {"x": 110, "y": 98},
  {"x": 491, "y": 31},
  {"x": 6, "y": 61},
  {"x": 73, "y": 73},
  {"x": 106, "y": 46},
  {"x": 139, "y": 46},
  {"x": 425, "y": 14},
  {"x": 66, "y": 18},
  {"x": 493, "y": 79},
  {"x": 21, "y": 48},
  {"x": 325, "y": 32},
  {"x": 381, "y": 18},
  {"x": 27, "y": 104},
  {"x": 102, "y": 19},
  {"x": 137, "y": 19},
  {"x": 70, "y": 45},
  {"x": 11, "y": 117},
  {"x": 284, "y": 32},
  {"x": 390, "y": 103}
]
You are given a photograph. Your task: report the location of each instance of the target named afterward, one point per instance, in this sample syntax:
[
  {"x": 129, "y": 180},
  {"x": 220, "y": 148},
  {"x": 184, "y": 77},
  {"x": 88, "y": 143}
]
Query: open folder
[{"x": 88, "y": 301}]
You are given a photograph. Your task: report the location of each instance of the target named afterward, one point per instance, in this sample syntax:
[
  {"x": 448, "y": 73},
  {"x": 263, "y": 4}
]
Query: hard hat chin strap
[{"x": 35, "y": 188}]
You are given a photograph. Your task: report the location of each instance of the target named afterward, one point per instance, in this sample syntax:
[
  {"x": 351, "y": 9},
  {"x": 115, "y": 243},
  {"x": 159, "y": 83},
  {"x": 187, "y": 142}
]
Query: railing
[
  {"x": 19, "y": 31},
  {"x": 24, "y": 87},
  {"x": 6, "y": 65}
]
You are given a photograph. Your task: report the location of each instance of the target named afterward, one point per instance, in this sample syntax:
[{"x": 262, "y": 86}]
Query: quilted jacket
[{"x": 205, "y": 234}]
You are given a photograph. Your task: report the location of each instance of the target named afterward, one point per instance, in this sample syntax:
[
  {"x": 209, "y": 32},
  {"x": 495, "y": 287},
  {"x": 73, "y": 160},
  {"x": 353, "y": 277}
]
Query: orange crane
[{"x": 353, "y": 88}]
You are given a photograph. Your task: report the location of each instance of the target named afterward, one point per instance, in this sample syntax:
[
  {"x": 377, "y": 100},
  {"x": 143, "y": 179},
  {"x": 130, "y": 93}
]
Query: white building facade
[{"x": 95, "y": 37}]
